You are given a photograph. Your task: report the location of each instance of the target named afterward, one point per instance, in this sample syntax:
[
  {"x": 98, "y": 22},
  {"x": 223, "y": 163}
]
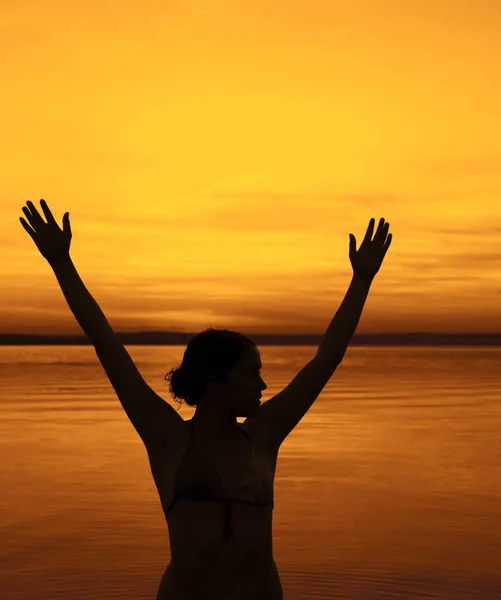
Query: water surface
[{"x": 390, "y": 487}]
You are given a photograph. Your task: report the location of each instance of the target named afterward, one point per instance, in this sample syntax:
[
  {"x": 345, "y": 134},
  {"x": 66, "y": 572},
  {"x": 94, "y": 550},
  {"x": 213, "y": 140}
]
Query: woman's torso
[{"x": 220, "y": 549}]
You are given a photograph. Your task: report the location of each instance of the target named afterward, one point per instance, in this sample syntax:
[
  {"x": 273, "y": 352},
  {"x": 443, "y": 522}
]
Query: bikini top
[{"x": 197, "y": 478}]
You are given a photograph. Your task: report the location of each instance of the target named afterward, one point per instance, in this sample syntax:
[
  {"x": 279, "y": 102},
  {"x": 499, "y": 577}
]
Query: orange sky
[{"x": 214, "y": 156}]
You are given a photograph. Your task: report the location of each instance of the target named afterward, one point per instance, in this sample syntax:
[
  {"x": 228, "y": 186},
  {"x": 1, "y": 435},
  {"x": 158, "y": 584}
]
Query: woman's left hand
[{"x": 369, "y": 257}]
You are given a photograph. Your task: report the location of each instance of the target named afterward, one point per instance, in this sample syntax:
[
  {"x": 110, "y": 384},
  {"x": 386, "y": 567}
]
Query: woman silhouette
[{"x": 214, "y": 476}]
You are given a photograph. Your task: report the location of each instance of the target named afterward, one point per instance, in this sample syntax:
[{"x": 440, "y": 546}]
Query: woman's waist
[
  {"x": 206, "y": 524},
  {"x": 239, "y": 569},
  {"x": 212, "y": 550},
  {"x": 208, "y": 547},
  {"x": 211, "y": 583}
]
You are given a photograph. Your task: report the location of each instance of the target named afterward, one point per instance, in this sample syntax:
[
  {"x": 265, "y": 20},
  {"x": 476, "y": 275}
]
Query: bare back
[{"x": 203, "y": 562}]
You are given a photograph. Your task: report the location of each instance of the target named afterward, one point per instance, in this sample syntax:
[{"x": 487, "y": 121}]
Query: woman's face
[{"x": 245, "y": 384}]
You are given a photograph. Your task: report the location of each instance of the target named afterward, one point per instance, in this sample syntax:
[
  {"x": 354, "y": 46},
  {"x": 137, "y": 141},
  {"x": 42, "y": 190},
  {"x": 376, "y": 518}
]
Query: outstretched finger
[
  {"x": 382, "y": 231},
  {"x": 35, "y": 215},
  {"x": 353, "y": 245},
  {"x": 66, "y": 223},
  {"x": 370, "y": 230},
  {"x": 387, "y": 244},
  {"x": 46, "y": 212},
  {"x": 30, "y": 216},
  {"x": 26, "y": 226}
]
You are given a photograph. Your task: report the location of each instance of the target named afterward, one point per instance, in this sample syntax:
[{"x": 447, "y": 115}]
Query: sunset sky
[{"x": 215, "y": 155}]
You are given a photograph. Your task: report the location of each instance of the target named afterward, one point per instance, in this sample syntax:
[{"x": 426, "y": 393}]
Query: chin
[{"x": 248, "y": 411}]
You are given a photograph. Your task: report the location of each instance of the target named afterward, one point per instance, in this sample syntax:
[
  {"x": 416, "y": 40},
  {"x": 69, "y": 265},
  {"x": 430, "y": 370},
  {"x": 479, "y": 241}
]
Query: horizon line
[{"x": 175, "y": 338}]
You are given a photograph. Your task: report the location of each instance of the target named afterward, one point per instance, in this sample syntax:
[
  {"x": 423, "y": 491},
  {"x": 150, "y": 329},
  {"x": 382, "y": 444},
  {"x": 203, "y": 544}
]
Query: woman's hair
[{"x": 209, "y": 356}]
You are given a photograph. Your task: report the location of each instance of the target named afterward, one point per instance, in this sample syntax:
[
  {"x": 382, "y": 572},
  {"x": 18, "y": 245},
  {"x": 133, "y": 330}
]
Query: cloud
[
  {"x": 273, "y": 212},
  {"x": 281, "y": 212}
]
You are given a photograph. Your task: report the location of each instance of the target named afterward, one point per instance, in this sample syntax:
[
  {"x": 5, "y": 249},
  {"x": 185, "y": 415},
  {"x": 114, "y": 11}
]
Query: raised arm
[
  {"x": 279, "y": 415},
  {"x": 153, "y": 418}
]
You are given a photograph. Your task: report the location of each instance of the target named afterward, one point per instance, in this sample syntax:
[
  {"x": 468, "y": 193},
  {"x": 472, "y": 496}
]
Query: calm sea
[{"x": 390, "y": 487}]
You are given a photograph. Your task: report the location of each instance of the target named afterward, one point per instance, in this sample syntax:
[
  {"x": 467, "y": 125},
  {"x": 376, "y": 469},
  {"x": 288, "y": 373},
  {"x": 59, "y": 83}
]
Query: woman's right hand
[{"x": 53, "y": 243}]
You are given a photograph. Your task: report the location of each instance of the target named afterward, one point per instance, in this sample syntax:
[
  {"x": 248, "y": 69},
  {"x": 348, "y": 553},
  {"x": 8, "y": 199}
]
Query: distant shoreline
[{"x": 161, "y": 338}]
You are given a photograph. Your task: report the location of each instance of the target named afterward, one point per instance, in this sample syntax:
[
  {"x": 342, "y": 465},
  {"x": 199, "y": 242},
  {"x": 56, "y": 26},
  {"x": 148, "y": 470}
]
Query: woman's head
[{"x": 219, "y": 365}]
